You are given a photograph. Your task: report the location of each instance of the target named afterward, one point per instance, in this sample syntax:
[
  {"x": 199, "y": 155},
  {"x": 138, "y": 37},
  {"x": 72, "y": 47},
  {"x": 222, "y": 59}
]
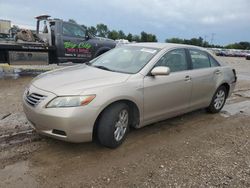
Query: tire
[
  {"x": 113, "y": 125},
  {"x": 218, "y": 100}
]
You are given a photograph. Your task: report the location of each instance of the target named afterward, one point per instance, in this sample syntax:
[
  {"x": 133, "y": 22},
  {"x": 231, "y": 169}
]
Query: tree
[
  {"x": 92, "y": 30},
  {"x": 72, "y": 21},
  {"x": 122, "y": 35},
  {"x": 151, "y": 38},
  {"x": 143, "y": 36},
  {"x": 196, "y": 41},
  {"x": 136, "y": 38},
  {"x": 84, "y": 26},
  {"x": 193, "y": 41},
  {"x": 113, "y": 35},
  {"x": 175, "y": 40},
  {"x": 245, "y": 45},
  {"x": 130, "y": 37},
  {"x": 102, "y": 30},
  {"x": 148, "y": 37},
  {"x": 240, "y": 45}
]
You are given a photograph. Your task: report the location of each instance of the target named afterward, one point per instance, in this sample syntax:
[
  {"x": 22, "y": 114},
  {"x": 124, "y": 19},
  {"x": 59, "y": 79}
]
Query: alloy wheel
[
  {"x": 219, "y": 99},
  {"x": 121, "y": 125}
]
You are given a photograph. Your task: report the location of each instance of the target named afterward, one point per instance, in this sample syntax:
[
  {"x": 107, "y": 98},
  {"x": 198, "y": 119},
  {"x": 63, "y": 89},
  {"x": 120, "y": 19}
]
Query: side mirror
[
  {"x": 87, "y": 37},
  {"x": 160, "y": 71}
]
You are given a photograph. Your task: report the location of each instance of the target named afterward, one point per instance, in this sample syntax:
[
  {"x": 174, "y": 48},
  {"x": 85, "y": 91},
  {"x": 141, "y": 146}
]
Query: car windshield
[{"x": 125, "y": 59}]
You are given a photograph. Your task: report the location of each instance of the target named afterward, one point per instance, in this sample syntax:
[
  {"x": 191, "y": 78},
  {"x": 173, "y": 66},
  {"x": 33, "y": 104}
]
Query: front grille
[{"x": 34, "y": 99}]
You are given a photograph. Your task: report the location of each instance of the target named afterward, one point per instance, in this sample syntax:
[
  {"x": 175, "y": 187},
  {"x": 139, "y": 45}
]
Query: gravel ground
[{"x": 193, "y": 150}]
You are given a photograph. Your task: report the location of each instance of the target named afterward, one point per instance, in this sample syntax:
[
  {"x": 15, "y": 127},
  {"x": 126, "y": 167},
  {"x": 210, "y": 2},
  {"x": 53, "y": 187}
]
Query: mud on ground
[{"x": 196, "y": 149}]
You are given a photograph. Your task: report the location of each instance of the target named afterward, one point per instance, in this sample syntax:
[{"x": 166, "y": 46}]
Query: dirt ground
[{"x": 193, "y": 150}]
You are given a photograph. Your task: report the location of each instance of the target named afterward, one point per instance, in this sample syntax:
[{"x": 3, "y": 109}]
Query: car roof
[{"x": 163, "y": 45}]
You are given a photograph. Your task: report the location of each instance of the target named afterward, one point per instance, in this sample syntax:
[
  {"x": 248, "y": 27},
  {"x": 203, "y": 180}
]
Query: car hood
[{"x": 76, "y": 79}]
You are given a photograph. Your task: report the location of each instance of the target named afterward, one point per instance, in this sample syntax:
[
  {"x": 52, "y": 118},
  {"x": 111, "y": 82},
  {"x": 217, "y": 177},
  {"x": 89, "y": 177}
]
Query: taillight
[{"x": 235, "y": 77}]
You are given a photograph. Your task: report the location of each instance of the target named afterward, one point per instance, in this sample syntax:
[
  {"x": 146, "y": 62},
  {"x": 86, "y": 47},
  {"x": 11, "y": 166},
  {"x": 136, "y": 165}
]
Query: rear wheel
[
  {"x": 113, "y": 125},
  {"x": 218, "y": 100}
]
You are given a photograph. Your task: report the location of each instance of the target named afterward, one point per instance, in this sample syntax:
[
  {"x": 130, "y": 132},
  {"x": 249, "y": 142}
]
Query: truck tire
[{"x": 113, "y": 125}]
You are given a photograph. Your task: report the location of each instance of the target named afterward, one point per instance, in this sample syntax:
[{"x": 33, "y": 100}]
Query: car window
[
  {"x": 73, "y": 30},
  {"x": 213, "y": 62},
  {"x": 175, "y": 60},
  {"x": 199, "y": 59}
]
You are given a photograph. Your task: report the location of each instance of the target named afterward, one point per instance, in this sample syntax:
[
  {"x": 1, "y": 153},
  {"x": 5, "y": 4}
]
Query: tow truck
[{"x": 57, "y": 41}]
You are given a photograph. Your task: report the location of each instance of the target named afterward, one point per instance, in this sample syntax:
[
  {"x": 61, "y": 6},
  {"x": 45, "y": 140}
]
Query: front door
[
  {"x": 166, "y": 96},
  {"x": 75, "y": 45}
]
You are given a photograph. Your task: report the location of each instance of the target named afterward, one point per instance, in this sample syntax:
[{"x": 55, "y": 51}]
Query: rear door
[
  {"x": 74, "y": 42},
  {"x": 205, "y": 74},
  {"x": 166, "y": 96}
]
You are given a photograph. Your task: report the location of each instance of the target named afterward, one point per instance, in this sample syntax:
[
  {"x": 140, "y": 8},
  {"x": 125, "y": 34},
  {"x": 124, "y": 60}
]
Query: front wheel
[
  {"x": 113, "y": 125},
  {"x": 218, "y": 100}
]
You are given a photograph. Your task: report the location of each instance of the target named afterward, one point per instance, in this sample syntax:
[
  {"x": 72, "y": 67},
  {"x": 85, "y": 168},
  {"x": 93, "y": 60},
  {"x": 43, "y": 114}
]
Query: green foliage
[
  {"x": 130, "y": 37},
  {"x": 84, "y": 26},
  {"x": 113, "y": 35},
  {"x": 136, "y": 38},
  {"x": 102, "y": 30},
  {"x": 122, "y": 34},
  {"x": 175, "y": 40},
  {"x": 147, "y": 37},
  {"x": 240, "y": 45},
  {"x": 193, "y": 41},
  {"x": 92, "y": 30}
]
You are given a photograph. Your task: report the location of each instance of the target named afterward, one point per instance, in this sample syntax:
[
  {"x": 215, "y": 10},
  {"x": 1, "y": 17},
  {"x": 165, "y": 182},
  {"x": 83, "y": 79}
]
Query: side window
[
  {"x": 213, "y": 62},
  {"x": 175, "y": 60},
  {"x": 199, "y": 59},
  {"x": 73, "y": 30}
]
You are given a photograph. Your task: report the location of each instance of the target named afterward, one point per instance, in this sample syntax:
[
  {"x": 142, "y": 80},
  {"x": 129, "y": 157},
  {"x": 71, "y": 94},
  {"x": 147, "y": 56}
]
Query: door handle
[
  {"x": 217, "y": 72},
  {"x": 187, "y": 78}
]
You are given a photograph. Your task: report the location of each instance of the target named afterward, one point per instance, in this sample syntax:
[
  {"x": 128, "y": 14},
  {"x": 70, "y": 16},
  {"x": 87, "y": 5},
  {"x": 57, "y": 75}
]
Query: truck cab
[{"x": 71, "y": 41}]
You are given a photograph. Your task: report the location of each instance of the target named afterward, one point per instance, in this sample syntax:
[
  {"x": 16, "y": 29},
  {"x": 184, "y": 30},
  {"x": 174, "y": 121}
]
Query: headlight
[{"x": 70, "y": 101}]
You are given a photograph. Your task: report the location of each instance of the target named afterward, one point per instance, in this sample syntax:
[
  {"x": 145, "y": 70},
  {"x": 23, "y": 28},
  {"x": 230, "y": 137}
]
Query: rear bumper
[
  {"x": 73, "y": 124},
  {"x": 232, "y": 87}
]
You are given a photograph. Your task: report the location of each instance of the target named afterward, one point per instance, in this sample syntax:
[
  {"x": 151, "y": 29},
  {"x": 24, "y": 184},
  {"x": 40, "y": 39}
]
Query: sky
[{"x": 218, "y": 21}]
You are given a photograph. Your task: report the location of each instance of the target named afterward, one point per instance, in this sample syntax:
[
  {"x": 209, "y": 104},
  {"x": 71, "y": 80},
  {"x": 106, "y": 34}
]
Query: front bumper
[{"x": 74, "y": 124}]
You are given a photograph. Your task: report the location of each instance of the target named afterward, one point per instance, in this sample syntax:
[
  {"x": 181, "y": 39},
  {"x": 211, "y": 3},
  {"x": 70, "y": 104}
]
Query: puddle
[
  {"x": 9, "y": 76},
  {"x": 19, "y": 75},
  {"x": 16, "y": 175},
  {"x": 236, "y": 108},
  {"x": 245, "y": 94}
]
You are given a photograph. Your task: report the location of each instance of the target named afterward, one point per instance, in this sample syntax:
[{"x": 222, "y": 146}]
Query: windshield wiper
[
  {"x": 88, "y": 63},
  {"x": 102, "y": 67}
]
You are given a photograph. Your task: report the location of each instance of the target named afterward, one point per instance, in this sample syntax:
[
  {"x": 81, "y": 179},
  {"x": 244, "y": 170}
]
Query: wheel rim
[
  {"x": 219, "y": 99},
  {"x": 121, "y": 125}
]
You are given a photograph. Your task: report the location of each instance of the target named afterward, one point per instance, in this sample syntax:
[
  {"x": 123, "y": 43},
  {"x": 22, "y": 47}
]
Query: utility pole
[
  {"x": 212, "y": 37},
  {"x": 205, "y": 39}
]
